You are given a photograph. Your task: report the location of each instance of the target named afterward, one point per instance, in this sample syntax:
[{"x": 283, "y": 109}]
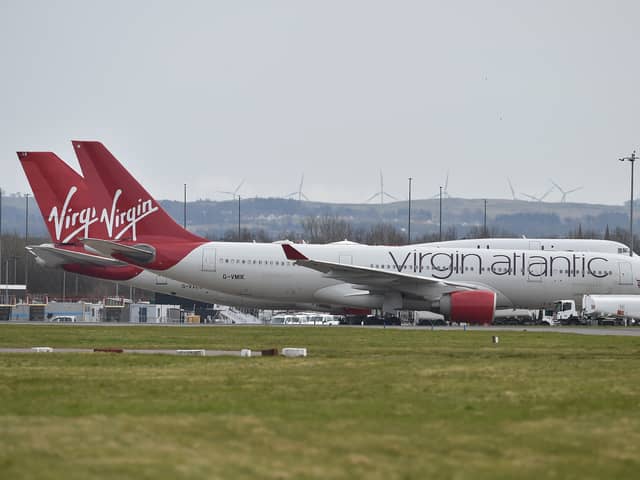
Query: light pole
[
  {"x": 184, "y": 213},
  {"x": 631, "y": 159},
  {"x": 6, "y": 292},
  {"x": 484, "y": 228},
  {"x": 440, "y": 237},
  {"x": 26, "y": 241},
  {"x": 409, "y": 226},
  {"x": 238, "y": 217},
  {"x": 1, "y": 241}
]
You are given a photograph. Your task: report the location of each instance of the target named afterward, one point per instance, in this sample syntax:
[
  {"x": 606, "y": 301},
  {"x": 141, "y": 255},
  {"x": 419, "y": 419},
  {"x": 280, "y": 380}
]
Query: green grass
[{"x": 366, "y": 403}]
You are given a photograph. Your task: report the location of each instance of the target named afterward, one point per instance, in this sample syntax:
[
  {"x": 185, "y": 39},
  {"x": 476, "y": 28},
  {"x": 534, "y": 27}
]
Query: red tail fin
[
  {"x": 63, "y": 198},
  {"x": 131, "y": 213}
]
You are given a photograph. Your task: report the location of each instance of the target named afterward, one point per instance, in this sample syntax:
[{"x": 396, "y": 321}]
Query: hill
[{"x": 276, "y": 218}]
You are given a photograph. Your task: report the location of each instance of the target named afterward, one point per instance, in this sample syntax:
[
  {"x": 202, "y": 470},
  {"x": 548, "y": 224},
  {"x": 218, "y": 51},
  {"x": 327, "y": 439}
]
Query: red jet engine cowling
[{"x": 473, "y": 306}]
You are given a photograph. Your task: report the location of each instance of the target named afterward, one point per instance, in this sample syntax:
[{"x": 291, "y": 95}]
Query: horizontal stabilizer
[
  {"x": 137, "y": 253},
  {"x": 55, "y": 256}
]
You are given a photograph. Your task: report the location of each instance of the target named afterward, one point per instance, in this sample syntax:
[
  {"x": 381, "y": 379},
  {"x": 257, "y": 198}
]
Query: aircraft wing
[
  {"x": 110, "y": 248},
  {"x": 55, "y": 256},
  {"x": 380, "y": 281}
]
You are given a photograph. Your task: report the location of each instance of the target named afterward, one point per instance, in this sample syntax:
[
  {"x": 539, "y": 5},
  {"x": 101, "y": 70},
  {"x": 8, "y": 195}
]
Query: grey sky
[{"x": 209, "y": 93}]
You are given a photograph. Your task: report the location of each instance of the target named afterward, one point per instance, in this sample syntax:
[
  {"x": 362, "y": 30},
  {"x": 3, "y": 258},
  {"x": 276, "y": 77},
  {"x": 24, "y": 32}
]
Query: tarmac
[{"x": 579, "y": 330}]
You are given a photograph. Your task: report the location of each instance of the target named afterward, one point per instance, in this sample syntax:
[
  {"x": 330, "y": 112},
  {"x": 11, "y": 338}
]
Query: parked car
[{"x": 63, "y": 319}]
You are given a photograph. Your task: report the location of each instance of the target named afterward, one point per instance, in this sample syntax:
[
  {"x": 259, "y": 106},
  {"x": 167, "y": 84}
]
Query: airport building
[{"x": 105, "y": 311}]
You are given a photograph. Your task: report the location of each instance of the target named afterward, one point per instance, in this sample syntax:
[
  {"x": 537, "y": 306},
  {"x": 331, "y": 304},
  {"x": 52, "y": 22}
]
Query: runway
[
  {"x": 614, "y": 331},
  {"x": 620, "y": 331}
]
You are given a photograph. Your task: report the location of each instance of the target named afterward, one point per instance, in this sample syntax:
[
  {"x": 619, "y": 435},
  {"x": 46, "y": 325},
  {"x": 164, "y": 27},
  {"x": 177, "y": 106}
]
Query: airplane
[
  {"x": 466, "y": 285},
  {"x": 64, "y": 200}
]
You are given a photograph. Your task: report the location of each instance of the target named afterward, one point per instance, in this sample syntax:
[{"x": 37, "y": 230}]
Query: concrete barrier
[
  {"x": 42, "y": 349},
  {"x": 294, "y": 352},
  {"x": 194, "y": 352}
]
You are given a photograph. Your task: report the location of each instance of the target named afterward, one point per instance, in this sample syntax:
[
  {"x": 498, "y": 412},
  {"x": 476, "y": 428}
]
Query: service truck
[
  {"x": 565, "y": 313},
  {"x": 612, "y": 309}
]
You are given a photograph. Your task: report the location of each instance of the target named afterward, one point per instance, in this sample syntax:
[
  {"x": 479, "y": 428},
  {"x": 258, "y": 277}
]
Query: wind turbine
[
  {"x": 299, "y": 191},
  {"x": 234, "y": 194},
  {"x": 381, "y": 193},
  {"x": 538, "y": 199},
  {"x": 445, "y": 189},
  {"x": 564, "y": 192},
  {"x": 513, "y": 192}
]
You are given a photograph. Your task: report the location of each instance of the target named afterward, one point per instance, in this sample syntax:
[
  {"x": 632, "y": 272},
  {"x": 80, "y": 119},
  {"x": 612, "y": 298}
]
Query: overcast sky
[{"x": 210, "y": 93}]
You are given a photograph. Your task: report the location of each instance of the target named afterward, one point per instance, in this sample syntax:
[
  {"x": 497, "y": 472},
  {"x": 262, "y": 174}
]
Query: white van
[{"x": 63, "y": 319}]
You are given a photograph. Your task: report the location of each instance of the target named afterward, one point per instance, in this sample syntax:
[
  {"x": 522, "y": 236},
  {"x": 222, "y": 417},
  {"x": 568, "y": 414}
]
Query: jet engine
[{"x": 472, "y": 306}]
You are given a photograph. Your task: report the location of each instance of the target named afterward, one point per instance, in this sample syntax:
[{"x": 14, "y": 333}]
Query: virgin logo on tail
[{"x": 116, "y": 221}]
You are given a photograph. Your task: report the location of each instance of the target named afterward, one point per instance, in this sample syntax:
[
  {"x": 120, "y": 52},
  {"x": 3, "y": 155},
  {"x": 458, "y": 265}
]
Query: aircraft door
[
  {"x": 626, "y": 274},
  {"x": 209, "y": 259},
  {"x": 346, "y": 260}
]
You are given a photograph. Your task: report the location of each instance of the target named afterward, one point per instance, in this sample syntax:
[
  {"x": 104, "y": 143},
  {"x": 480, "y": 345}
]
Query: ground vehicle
[
  {"x": 565, "y": 313},
  {"x": 305, "y": 319},
  {"x": 323, "y": 319},
  {"x": 514, "y": 316},
  {"x": 63, "y": 319},
  {"x": 605, "y": 309},
  {"x": 612, "y": 309},
  {"x": 545, "y": 317}
]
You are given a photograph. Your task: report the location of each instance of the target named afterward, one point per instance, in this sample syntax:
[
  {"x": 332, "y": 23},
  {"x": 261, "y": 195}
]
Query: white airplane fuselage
[
  {"x": 520, "y": 278},
  {"x": 48, "y": 255},
  {"x": 147, "y": 280},
  {"x": 547, "y": 244}
]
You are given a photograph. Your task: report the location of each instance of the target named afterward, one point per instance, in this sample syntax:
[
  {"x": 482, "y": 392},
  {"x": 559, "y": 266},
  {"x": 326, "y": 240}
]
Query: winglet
[{"x": 291, "y": 253}]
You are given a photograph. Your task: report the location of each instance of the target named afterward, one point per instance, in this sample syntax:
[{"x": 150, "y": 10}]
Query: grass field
[{"x": 366, "y": 403}]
